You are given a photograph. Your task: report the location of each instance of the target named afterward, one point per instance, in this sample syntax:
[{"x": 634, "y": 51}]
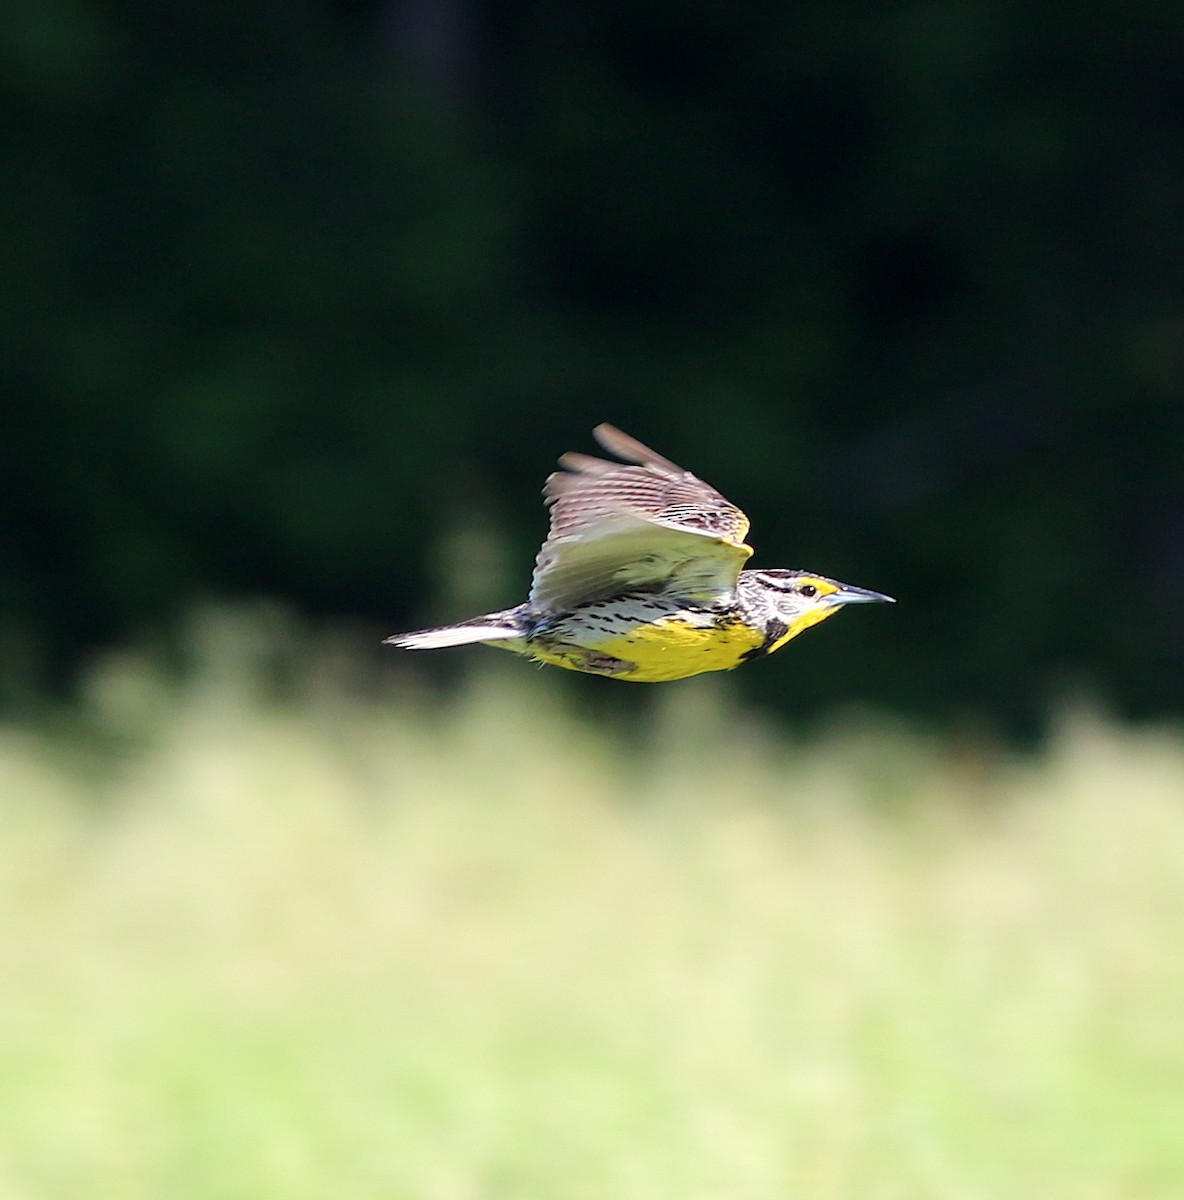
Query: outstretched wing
[{"x": 646, "y": 526}]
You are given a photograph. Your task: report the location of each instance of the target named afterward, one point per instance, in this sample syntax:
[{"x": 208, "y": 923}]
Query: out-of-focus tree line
[{"x": 293, "y": 292}]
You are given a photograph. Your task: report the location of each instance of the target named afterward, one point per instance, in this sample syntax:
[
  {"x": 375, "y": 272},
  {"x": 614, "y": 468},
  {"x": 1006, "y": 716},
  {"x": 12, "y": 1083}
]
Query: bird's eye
[{"x": 808, "y": 589}]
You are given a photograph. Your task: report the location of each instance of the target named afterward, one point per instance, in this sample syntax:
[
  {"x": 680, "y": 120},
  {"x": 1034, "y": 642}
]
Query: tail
[{"x": 496, "y": 627}]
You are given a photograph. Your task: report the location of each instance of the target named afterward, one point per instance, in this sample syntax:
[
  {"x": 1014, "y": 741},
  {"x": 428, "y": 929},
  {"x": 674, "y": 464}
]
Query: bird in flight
[{"x": 641, "y": 578}]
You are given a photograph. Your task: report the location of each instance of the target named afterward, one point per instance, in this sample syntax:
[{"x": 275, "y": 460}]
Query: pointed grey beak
[{"x": 854, "y": 595}]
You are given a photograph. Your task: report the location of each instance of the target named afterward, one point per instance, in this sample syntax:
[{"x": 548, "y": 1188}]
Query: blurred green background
[
  {"x": 295, "y": 293},
  {"x": 301, "y": 302}
]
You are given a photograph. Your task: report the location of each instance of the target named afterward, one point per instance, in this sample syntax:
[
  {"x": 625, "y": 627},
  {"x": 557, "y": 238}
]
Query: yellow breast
[{"x": 670, "y": 647}]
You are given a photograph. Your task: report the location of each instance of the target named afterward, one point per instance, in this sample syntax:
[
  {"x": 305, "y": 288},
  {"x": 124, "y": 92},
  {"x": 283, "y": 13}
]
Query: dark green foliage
[{"x": 292, "y": 291}]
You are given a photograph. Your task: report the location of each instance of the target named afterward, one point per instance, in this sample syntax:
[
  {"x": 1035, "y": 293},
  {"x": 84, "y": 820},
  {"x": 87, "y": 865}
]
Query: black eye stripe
[
  {"x": 779, "y": 585},
  {"x": 808, "y": 590}
]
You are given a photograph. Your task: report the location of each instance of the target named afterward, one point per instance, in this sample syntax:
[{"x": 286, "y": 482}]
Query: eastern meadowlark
[{"x": 640, "y": 578}]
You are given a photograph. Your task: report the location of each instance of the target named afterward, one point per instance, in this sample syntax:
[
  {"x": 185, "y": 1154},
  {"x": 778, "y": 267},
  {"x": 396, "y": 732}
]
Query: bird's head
[{"x": 799, "y": 599}]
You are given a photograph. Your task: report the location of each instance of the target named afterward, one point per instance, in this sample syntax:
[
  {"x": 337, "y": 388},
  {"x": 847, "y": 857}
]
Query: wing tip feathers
[{"x": 631, "y": 450}]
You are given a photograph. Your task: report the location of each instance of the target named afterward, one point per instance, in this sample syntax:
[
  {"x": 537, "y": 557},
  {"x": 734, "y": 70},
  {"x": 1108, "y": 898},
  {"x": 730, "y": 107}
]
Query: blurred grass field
[{"x": 346, "y": 947}]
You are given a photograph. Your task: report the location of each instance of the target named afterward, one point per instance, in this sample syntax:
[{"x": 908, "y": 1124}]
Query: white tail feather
[{"x": 452, "y": 635}]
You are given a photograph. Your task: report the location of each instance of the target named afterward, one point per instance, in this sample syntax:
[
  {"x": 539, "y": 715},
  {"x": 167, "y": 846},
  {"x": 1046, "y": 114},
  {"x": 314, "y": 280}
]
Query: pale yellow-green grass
[{"x": 472, "y": 947}]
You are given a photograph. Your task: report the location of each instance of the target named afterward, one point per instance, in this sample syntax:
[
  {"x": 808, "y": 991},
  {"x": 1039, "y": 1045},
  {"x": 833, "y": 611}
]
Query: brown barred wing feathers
[{"x": 644, "y": 524}]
